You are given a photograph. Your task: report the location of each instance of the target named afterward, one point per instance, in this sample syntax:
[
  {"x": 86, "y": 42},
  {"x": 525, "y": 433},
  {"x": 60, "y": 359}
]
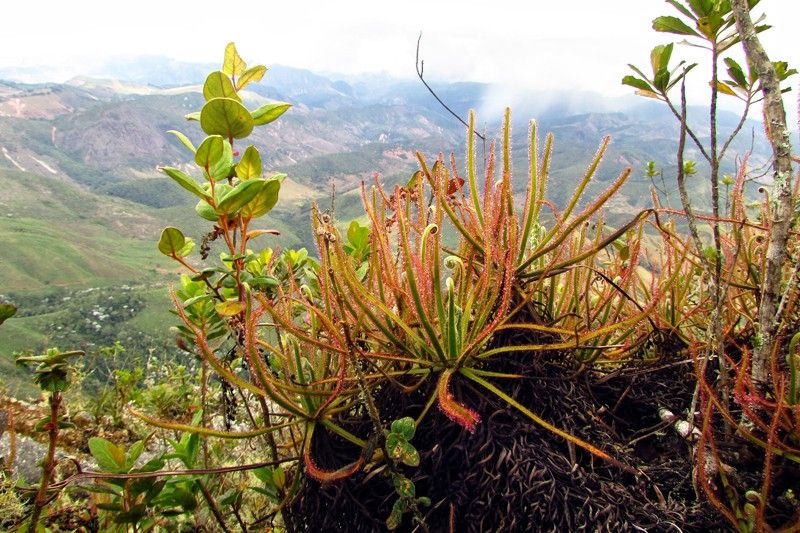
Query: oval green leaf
[
  {"x": 226, "y": 117},
  {"x": 233, "y": 64},
  {"x": 229, "y": 307},
  {"x": 209, "y": 152},
  {"x": 264, "y": 200},
  {"x": 183, "y": 139},
  {"x": 269, "y": 112},
  {"x": 239, "y": 196},
  {"x": 222, "y": 169},
  {"x": 673, "y": 25},
  {"x": 109, "y": 456},
  {"x": 219, "y": 85},
  {"x": 171, "y": 242},
  {"x": 206, "y": 211},
  {"x": 405, "y": 427},
  {"x": 186, "y": 182},
  {"x": 253, "y": 74},
  {"x": 249, "y": 166}
]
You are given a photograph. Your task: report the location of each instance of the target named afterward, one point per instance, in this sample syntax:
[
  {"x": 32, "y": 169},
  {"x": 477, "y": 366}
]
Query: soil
[{"x": 513, "y": 475}]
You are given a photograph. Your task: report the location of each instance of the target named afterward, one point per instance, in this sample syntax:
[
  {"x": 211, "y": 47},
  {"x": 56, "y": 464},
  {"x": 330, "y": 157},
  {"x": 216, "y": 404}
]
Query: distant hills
[{"x": 82, "y": 201}]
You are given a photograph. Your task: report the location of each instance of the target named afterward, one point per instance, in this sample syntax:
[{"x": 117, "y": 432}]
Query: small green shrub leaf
[
  {"x": 218, "y": 85},
  {"x": 253, "y": 74},
  {"x": 408, "y": 454},
  {"x": 395, "y": 517},
  {"x": 233, "y": 64},
  {"x": 134, "y": 452},
  {"x": 186, "y": 182},
  {"x": 194, "y": 115},
  {"x": 229, "y": 307},
  {"x": 226, "y": 117},
  {"x": 206, "y": 211},
  {"x": 404, "y": 427},
  {"x": 637, "y": 83},
  {"x": 673, "y": 25},
  {"x": 736, "y": 73},
  {"x": 249, "y": 166},
  {"x": 269, "y": 112},
  {"x": 108, "y": 455},
  {"x": 264, "y": 200},
  {"x": 222, "y": 169},
  {"x": 239, "y": 196},
  {"x": 171, "y": 242},
  {"x": 404, "y": 487},
  {"x": 184, "y": 140},
  {"x": 209, "y": 152}
]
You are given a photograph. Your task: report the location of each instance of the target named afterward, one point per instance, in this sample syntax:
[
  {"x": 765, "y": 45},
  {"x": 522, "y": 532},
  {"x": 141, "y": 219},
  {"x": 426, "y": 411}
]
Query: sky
[{"x": 532, "y": 44}]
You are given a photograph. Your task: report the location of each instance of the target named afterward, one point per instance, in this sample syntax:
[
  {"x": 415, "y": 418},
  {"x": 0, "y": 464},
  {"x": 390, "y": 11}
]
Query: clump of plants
[
  {"x": 742, "y": 320},
  {"x": 473, "y": 357}
]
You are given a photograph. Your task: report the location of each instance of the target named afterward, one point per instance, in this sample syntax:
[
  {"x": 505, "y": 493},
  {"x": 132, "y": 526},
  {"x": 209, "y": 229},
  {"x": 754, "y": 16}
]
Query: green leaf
[
  {"x": 131, "y": 516},
  {"x": 637, "y": 83},
  {"x": 206, "y": 211},
  {"x": 229, "y": 307},
  {"x": 219, "y": 85},
  {"x": 279, "y": 477},
  {"x": 659, "y": 58},
  {"x": 264, "y": 200},
  {"x": 700, "y": 8},
  {"x": 395, "y": 517},
  {"x": 171, "y": 242},
  {"x": 249, "y": 166},
  {"x": 682, "y": 9},
  {"x": 233, "y": 65},
  {"x": 222, "y": 169},
  {"x": 673, "y": 25},
  {"x": 736, "y": 73},
  {"x": 253, "y": 74},
  {"x": 724, "y": 89},
  {"x": 186, "y": 182},
  {"x": 156, "y": 463},
  {"x": 187, "y": 248},
  {"x": 269, "y": 112},
  {"x": 226, "y": 117},
  {"x": 404, "y": 487},
  {"x": 209, "y": 152},
  {"x": 194, "y": 115},
  {"x": 133, "y": 454},
  {"x": 405, "y": 427},
  {"x": 109, "y": 456},
  {"x": 409, "y": 455},
  {"x": 782, "y": 70},
  {"x": 7, "y": 311},
  {"x": 239, "y": 196},
  {"x": 183, "y": 139},
  {"x": 358, "y": 235}
]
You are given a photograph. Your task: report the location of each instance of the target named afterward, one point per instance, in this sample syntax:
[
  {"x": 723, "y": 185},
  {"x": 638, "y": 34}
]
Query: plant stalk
[{"x": 49, "y": 463}]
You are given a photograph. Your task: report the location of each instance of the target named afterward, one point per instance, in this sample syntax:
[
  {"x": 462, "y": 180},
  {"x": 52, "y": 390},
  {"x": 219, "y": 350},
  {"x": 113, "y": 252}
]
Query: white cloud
[{"x": 582, "y": 44}]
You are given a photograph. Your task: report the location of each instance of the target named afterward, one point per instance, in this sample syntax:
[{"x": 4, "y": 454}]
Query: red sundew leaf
[
  {"x": 329, "y": 476},
  {"x": 458, "y": 413},
  {"x": 454, "y": 185}
]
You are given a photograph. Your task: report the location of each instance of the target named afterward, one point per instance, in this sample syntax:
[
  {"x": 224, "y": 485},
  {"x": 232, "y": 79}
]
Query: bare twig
[{"x": 420, "y": 66}]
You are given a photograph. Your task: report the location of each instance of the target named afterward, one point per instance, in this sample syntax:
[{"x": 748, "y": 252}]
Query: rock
[
  {"x": 83, "y": 419},
  {"x": 28, "y": 456}
]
